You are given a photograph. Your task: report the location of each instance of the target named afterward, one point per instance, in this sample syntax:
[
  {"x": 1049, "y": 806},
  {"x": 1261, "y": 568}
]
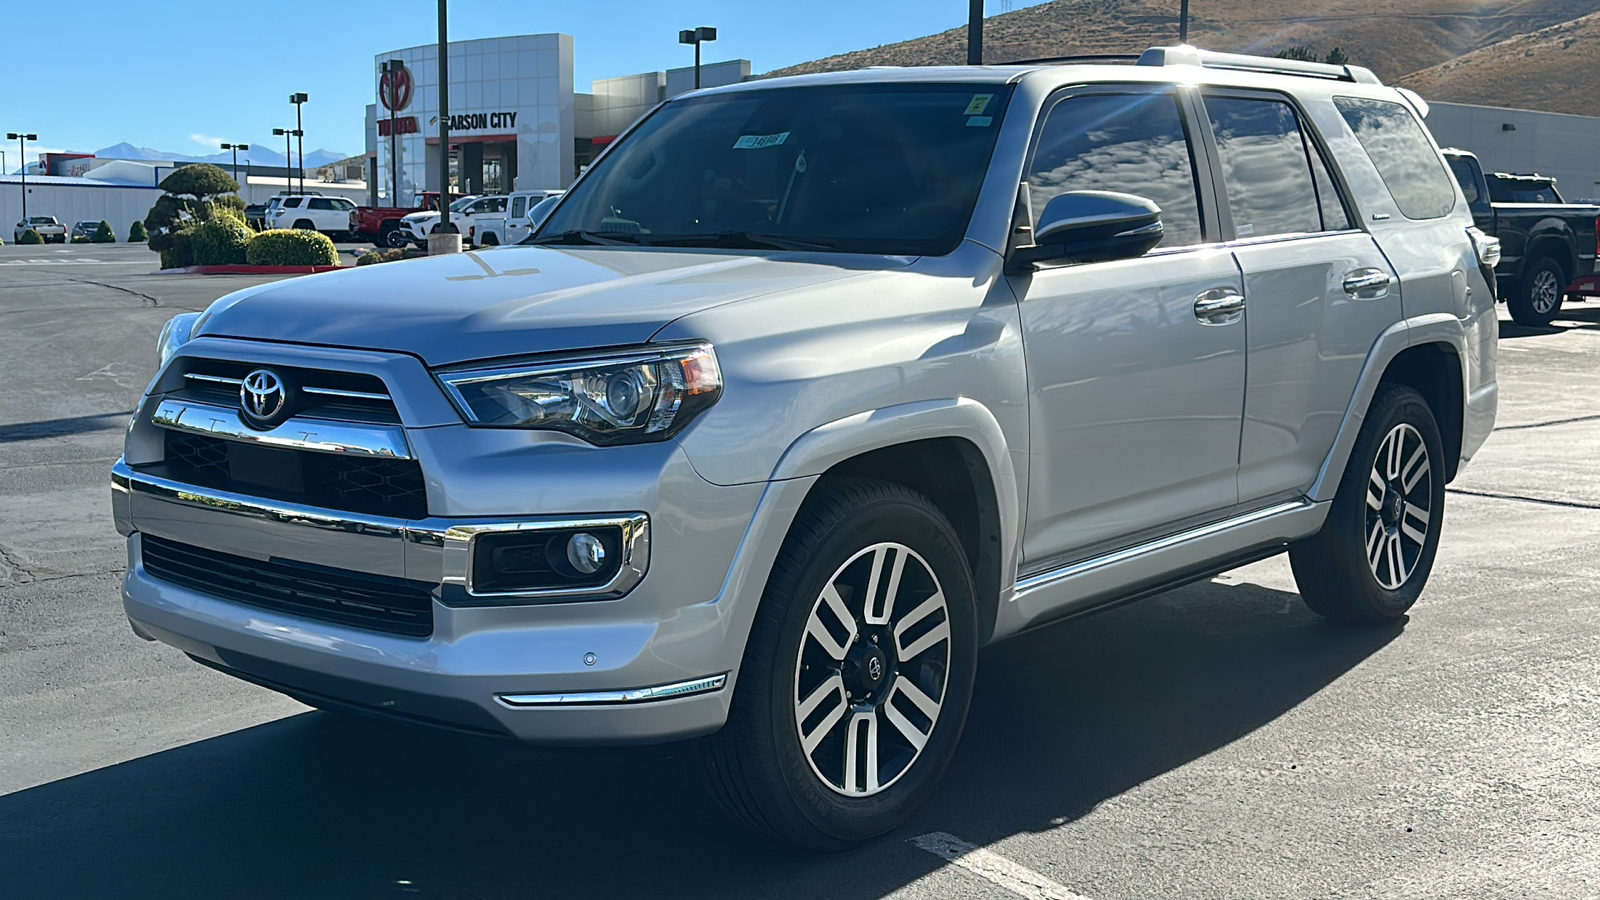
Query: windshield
[
  {"x": 463, "y": 203},
  {"x": 860, "y": 168}
]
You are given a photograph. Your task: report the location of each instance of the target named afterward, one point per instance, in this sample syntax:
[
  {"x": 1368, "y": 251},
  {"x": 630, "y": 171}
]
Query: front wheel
[
  {"x": 394, "y": 237},
  {"x": 1538, "y": 296},
  {"x": 1373, "y": 555},
  {"x": 857, "y": 675}
]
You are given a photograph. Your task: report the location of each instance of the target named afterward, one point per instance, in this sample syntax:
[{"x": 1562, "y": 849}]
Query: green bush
[
  {"x": 219, "y": 241},
  {"x": 104, "y": 234},
  {"x": 31, "y": 237},
  {"x": 287, "y": 247},
  {"x": 380, "y": 256},
  {"x": 176, "y": 249},
  {"x": 138, "y": 234}
]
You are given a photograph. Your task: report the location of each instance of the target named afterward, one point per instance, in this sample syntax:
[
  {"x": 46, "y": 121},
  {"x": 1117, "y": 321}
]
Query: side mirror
[{"x": 1091, "y": 226}]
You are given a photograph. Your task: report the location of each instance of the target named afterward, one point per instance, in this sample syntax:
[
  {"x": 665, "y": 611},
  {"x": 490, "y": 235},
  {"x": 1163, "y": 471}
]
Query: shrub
[
  {"x": 30, "y": 237},
  {"x": 287, "y": 247},
  {"x": 219, "y": 241},
  {"x": 104, "y": 234},
  {"x": 201, "y": 180},
  {"x": 381, "y": 256},
  {"x": 177, "y": 248},
  {"x": 138, "y": 234}
]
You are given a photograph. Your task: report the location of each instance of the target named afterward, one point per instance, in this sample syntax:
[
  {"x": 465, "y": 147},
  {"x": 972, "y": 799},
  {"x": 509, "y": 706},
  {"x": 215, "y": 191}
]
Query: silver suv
[{"x": 810, "y": 388}]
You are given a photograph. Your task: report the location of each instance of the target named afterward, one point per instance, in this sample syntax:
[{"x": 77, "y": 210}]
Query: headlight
[
  {"x": 626, "y": 397},
  {"x": 175, "y": 334}
]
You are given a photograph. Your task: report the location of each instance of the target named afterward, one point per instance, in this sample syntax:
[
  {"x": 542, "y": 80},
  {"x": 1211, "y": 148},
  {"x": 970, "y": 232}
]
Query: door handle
[
  {"x": 1373, "y": 283},
  {"x": 1219, "y": 306}
]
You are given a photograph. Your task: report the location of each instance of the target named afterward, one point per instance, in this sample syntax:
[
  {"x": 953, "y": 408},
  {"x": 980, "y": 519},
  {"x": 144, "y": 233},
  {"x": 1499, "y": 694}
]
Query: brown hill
[
  {"x": 1392, "y": 39},
  {"x": 1552, "y": 69}
]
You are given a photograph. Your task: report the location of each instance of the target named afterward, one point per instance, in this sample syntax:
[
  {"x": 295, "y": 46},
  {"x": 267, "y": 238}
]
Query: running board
[{"x": 1164, "y": 562}]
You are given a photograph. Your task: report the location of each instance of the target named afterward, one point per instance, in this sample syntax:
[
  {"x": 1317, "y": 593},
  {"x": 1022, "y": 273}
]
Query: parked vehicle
[
  {"x": 85, "y": 229},
  {"x": 382, "y": 224},
  {"x": 270, "y": 210},
  {"x": 419, "y": 225},
  {"x": 47, "y": 227},
  {"x": 1548, "y": 246},
  {"x": 330, "y": 215},
  {"x": 256, "y": 215},
  {"x": 524, "y": 211},
  {"x": 812, "y": 386}
]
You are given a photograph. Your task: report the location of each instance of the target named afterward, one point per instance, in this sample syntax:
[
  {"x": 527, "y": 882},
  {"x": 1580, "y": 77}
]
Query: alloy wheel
[
  {"x": 1399, "y": 506},
  {"x": 1546, "y": 292},
  {"x": 872, "y": 670}
]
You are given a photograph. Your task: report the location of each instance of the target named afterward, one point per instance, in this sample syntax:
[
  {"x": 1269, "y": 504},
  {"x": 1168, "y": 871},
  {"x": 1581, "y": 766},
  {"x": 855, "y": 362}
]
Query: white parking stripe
[{"x": 1018, "y": 879}]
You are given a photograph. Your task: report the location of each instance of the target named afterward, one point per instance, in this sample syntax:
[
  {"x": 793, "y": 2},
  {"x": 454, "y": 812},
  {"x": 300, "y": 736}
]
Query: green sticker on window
[{"x": 980, "y": 102}]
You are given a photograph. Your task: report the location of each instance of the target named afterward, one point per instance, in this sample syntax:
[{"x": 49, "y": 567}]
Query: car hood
[{"x": 516, "y": 300}]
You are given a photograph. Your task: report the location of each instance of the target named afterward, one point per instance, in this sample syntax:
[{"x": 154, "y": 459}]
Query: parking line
[{"x": 1018, "y": 879}]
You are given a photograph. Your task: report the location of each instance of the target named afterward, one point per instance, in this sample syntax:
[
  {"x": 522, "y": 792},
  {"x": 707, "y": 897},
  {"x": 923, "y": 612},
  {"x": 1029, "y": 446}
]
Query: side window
[
  {"x": 1133, "y": 143},
  {"x": 342, "y": 204},
  {"x": 498, "y": 204},
  {"x": 319, "y": 203},
  {"x": 1466, "y": 178},
  {"x": 519, "y": 207},
  {"x": 291, "y": 202},
  {"x": 1264, "y": 167},
  {"x": 1400, "y": 150}
]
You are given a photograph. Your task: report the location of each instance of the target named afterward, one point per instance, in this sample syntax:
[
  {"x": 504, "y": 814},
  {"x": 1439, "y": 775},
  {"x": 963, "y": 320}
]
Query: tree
[
  {"x": 1304, "y": 53},
  {"x": 104, "y": 234},
  {"x": 1337, "y": 57},
  {"x": 193, "y": 194}
]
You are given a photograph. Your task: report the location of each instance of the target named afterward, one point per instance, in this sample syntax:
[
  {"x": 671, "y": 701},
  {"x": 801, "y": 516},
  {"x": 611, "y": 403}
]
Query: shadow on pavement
[
  {"x": 28, "y": 431},
  {"x": 1571, "y": 318},
  {"x": 320, "y": 805}
]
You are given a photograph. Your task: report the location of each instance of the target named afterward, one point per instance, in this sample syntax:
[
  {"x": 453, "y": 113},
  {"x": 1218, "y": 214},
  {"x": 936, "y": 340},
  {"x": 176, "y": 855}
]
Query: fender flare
[{"x": 1435, "y": 328}]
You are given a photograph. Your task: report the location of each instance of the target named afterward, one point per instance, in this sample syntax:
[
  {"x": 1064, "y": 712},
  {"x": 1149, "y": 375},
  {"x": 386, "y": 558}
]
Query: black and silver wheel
[
  {"x": 858, "y": 673},
  {"x": 1538, "y": 297},
  {"x": 394, "y": 237},
  {"x": 1373, "y": 555}
]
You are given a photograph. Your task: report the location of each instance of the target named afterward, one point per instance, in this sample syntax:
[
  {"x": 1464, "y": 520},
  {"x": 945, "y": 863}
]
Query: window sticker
[
  {"x": 760, "y": 141},
  {"x": 980, "y": 121},
  {"x": 980, "y": 102},
  {"x": 1246, "y": 230}
]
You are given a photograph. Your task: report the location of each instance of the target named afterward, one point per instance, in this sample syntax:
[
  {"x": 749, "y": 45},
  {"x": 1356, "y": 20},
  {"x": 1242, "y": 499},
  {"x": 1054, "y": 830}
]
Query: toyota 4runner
[{"x": 810, "y": 388}]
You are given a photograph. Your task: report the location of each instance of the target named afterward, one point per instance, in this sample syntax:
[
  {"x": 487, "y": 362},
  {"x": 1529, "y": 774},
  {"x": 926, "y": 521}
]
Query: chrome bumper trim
[
  {"x": 706, "y": 685},
  {"x": 458, "y": 561},
  {"x": 315, "y": 435}
]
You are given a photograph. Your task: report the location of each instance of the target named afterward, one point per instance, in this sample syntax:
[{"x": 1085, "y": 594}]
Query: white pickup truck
[{"x": 524, "y": 211}]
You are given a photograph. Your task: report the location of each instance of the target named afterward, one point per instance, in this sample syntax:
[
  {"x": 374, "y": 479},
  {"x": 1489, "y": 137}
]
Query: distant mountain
[{"x": 259, "y": 154}]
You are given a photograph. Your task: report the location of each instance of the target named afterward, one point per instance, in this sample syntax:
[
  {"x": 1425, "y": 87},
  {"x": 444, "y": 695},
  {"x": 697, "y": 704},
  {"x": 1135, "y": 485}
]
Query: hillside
[
  {"x": 1375, "y": 33},
  {"x": 1551, "y": 69}
]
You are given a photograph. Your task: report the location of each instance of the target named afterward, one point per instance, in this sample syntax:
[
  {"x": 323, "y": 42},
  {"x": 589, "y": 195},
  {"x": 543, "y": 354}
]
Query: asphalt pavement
[{"x": 1214, "y": 741}]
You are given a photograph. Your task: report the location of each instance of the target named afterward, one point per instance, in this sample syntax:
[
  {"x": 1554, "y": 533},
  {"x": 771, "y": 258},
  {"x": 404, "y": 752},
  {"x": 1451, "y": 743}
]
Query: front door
[{"x": 1136, "y": 368}]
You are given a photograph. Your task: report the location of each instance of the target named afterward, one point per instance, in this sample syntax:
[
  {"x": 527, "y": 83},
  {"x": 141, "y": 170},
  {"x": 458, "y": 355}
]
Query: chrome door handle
[
  {"x": 1219, "y": 306},
  {"x": 1362, "y": 281}
]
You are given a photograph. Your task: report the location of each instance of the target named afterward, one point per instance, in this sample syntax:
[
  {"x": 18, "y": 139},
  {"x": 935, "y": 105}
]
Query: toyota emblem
[
  {"x": 263, "y": 398},
  {"x": 875, "y": 668}
]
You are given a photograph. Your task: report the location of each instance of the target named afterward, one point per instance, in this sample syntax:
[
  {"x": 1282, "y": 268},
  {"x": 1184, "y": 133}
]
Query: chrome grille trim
[
  {"x": 298, "y": 433},
  {"x": 334, "y": 392}
]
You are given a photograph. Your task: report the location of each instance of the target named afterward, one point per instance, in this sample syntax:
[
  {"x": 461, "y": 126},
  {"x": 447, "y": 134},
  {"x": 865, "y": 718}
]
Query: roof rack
[
  {"x": 1187, "y": 55},
  {"x": 1079, "y": 58}
]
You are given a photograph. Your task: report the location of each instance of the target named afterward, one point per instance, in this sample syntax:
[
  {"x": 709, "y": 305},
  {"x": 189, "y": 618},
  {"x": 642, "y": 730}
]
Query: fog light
[{"x": 586, "y": 553}]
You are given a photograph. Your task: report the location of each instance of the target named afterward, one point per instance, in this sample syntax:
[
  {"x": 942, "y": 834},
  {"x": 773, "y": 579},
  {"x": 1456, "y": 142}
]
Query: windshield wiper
[
  {"x": 599, "y": 238},
  {"x": 744, "y": 240}
]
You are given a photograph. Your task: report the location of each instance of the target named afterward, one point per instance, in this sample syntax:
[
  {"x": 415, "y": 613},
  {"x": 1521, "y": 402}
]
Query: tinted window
[
  {"x": 1134, "y": 144},
  {"x": 1265, "y": 170},
  {"x": 342, "y": 203},
  {"x": 1402, "y": 154},
  {"x": 319, "y": 203},
  {"x": 291, "y": 202},
  {"x": 519, "y": 206},
  {"x": 886, "y": 168}
]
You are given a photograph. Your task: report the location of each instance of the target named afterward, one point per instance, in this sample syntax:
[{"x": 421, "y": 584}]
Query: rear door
[
  {"x": 1317, "y": 289},
  {"x": 517, "y": 218}
]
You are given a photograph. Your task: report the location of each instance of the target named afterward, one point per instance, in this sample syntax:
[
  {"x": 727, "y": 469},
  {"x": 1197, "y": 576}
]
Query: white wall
[
  {"x": 733, "y": 71},
  {"x": 1562, "y": 146},
  {"x": 71, "y": 201}
]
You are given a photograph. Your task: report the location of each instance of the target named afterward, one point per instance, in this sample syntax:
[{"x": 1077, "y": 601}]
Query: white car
[
  {"x": 330, "y": 215},
  {"x": 47, "y": 227},
  {"x": 524, "y": 211},
  {"x": 417, "y": 225},
  {"x": 465, "y": 216}
]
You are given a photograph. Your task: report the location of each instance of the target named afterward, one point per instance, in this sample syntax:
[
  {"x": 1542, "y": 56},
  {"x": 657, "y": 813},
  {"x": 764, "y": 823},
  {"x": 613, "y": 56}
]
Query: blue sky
[{"x": 183, "y": 75}]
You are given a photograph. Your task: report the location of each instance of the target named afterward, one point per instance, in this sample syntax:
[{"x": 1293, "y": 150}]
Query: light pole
[
  {"x": 445, "y": 225},
  {"x": 288, "y": 172},
  {"x": 299, "y": 133},
  {"x": 391, "y": 69},
  {"x": 697, "y": 37},
  {"x": 236, "y": 148},
  {"x": 975, "y": 32},
  {"x": 22, "y": 150},
  {"x": 1183, "y": 23}
]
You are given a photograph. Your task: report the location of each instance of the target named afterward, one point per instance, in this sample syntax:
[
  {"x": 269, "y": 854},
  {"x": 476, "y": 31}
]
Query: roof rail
[
  {"x": 1186, "y": 55},
  {"x": 1079, "y": 58}
]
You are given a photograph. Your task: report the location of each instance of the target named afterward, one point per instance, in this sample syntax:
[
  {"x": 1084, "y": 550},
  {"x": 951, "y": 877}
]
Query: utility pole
[
  {"x": 975, "y": 32},
  {"x": 445, "y": 224},
  {"x": 300, "y": 135},
  {"x": 1183, "y": 23},
  {"x": 22, "y": 150}
]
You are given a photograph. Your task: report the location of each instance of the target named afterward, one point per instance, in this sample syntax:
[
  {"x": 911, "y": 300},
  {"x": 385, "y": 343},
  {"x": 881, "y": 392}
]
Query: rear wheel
[
  {"x": 1373, "y": 555},
  {"x": 490, "y": 240},
  {"x": 305, "y": 225},
  {"x": 857, "y": 675},
  {"x": 1537, "y": 299}
]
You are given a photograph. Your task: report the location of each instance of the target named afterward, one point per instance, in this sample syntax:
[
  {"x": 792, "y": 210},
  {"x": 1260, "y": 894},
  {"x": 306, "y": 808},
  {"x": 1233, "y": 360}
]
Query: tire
[
  {"x": 489, "y": 240},
  {"x": 1538, "y": 296},
  {"x": 394, "y": 237},
  {"x": 304, "y": 225},
  {"x": 906, "y": 678},
  {"x": 1336, "y": 572}
]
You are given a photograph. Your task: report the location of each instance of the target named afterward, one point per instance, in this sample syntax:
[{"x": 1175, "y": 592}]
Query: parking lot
[{"x": 1215, "y": 741}]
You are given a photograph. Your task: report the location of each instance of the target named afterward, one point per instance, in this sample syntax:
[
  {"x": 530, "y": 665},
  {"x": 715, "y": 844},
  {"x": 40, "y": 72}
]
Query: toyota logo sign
[
  {"x": 394, "y": 88},
  {"x": 263, "y": 398}
]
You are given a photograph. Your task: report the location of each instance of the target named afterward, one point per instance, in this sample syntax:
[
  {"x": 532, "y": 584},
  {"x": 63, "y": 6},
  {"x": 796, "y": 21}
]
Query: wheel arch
[
  {"x": 1434, "y": 370},
  {"x": 1559, "y": 247}
]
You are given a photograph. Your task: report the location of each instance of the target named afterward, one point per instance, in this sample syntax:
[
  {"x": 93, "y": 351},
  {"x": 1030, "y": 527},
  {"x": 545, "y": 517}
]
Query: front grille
[
  {"x": 318, "y": 393},
  {"x": 360, "y": 484},
  {"x": 374, "y": 602}
]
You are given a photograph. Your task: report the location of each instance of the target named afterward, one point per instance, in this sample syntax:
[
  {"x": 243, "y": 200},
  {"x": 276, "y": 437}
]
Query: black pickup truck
[{"x": 1548, "y": 246}]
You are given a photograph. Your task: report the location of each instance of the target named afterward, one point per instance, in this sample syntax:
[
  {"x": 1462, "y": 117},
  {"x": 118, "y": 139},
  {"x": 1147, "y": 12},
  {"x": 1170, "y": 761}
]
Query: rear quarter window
[{"x": 1402, "y": 154}]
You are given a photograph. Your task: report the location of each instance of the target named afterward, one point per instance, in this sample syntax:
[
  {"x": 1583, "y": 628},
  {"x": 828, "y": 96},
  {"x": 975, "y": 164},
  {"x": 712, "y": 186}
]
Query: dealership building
[{"x": 516, "y": 120}]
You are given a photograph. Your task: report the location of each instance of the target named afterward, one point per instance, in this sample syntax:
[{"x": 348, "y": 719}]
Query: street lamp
[
  {"x": 22, "y": 150},
  {"x": 299, "y": 134},
  {"x": 975, "y": 33},
  {"x": 236, "y": 148},
  {"x": 287, "y": 172},
  {"x": 391, "y": 69},
  {"x": 446, "y": 226},
  {"x": 696, "y": 37},
  {"x": 1183, "y": 23}
]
